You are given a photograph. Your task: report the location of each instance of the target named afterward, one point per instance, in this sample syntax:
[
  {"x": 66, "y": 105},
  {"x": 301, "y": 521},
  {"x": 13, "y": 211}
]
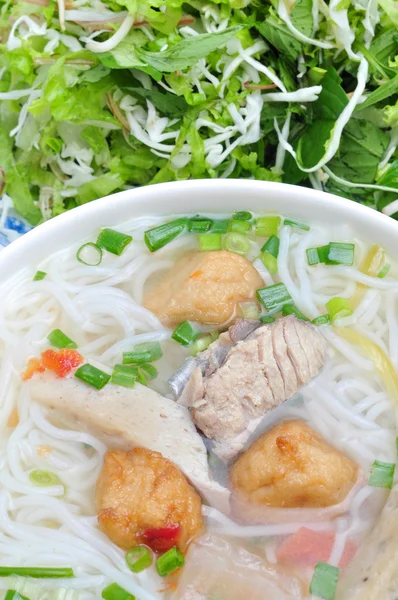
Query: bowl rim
[{"x": 108, "y": 206}]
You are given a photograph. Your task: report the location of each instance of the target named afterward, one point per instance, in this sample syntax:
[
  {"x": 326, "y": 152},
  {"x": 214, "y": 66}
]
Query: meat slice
[
  {"x": 126, "y": 418},
  {"x": 259, "y": 372},
  {"x": 205, "y": 287}
]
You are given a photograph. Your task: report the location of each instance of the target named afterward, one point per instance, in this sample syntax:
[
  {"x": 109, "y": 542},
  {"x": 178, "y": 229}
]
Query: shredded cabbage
[{"x": 298, "y": 91}]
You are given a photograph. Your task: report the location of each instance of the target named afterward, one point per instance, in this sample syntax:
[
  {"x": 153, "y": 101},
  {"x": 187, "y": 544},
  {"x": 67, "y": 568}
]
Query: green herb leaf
[{"x": 188, "y": 51}]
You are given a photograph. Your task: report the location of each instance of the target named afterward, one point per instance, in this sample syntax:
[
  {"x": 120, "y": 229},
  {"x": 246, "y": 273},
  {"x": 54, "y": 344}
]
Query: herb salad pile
[{"x": 98, "y": 96}]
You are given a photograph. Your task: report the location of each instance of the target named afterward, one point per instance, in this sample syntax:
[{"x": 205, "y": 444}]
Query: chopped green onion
[
  {"x": 324, "y": 581},
  {"x": 321, "y": 320},
  {"x": 266, "y": 226},
  {"x": 317, "y": 255},
  {"x": 297, "y": 224},
  {"x": 39, "y": 275},
  {"x": 14, "y": 595},
  {"x": 38, "y": 572},
  {"x": 203, "y": 342},
  {"x": 89, "y": 254},
  {"x": 239, "y": 226},
  {"x": 382, "y": 474},
  {"x": 44, "y": 478},
  {"x": 272, "y": 246},
  {"x": 269, "y": 262},
  {"x": 58, "y": 339},
  {"x": 170, "y": 561},
  {"x": 199, "y": 224},
  {"x": 184, "y": 333},
  {"x": 124, "y": 376},
  {"x": 160, "y": 236},
  {"x": 267, "y": 319},
  {"x": 210, "y": 241},
  {"x": 338, "y": 307},
  {"x": 340, "y": 254},
  {"x": 290, "y": 309},
  {"x": 237, "y": 242},
  {"x": 113, "y": 241},
  {"x": 115, "y": 592},
  {"x": 92, "y": 376},
  {"x": 143, "y": 353},
  {"x": 149, "y": 371},
  {"x": 274, "y": 297},
  {"x": 249, "y": 310},
  {"x": 242, "y": 215},
  {"x": 312, "y": 256},
  {"x": 138, "y": 559},
  {"x": 220, "y": 226},
  {"x": 383, "y": 272}
]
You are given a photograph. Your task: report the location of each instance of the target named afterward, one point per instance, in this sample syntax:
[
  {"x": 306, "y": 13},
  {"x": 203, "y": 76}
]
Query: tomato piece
[
  {"x": 161, "y": 539},
  {"x": 62, "y": 361},
  {"x": 34, "y": 366},
  {"x": 307, "y": 547}
]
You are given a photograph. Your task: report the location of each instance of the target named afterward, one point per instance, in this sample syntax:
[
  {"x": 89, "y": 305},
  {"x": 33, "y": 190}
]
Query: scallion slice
[
  {"x": 149, "y": 371},
  {"x": 270, "y": 263},
  {"x": 249, "y": 310},
  {"x": 272, "y": 246},
  {"x": 184, "y": 333},
  {"x": 14, "y": 595},
  {"x": 38, "y": 572},
  {"x": 340, "y": 254},
  {"x": 93, "y": 376},
  {"x": 266, "y": 226},
  {"x": 170, "y": 561},
  {"x": 242, "y": 215},
  {"x": 338, "y": 307},
  {"x": 237, "y": 242},
  {"x": 203, "y": 341},
  {"x": 44, "y": 478},
  {"x": 266, "y": 319},
  {"x": 143, "y": 353},
  {"x": 321, "y": 320},
  {"x": 239, "y": 226},
  {"x": 115, "y": 592},
  {"x": 89, "y": 254},
  {"x": 39, "y": 275},
  {"x": 199, "y": 224},
  {"x": 209, "y": 242},
  {"x": 158, "y": 237},
  {"x": 124, "y": 376},
  {"x": 113, "y": 241},
  {"x": 220, "y": 226},
  {"x": 382, "y": 474},
  {"x": 324, "y": 581},
  {"x": 59, "y": 339},
  {"x": 317, "y": 255},
  {"x": 384, "y": 271},
  {"x": 297, "y": 224},
  {"x": 290, "y": 309},
  {"x": 138, "y": 559},
  {"x": 274, "y": 297}
]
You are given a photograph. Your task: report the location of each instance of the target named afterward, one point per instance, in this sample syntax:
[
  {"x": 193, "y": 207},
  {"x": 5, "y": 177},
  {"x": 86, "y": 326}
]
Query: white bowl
[{"x": 218, "y": 195}]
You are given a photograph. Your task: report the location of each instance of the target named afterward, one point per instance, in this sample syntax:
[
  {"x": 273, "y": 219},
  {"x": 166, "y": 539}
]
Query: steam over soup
[{"x": 200, "y": 407}]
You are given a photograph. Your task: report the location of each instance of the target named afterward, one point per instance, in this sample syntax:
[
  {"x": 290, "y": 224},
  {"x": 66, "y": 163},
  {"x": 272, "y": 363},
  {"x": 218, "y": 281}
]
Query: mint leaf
[
  {"x": 361, "y": 148},
  {"x": 301, "y": 16},
  {"x": 167, "y": 103},
  {"x": 187, "y": 52},
  {"x": 332, "y": 100},
  {"x": 278, "y": 35},
  {"x": 390, "y": 177},
  {"x": 125, "y": 56}
]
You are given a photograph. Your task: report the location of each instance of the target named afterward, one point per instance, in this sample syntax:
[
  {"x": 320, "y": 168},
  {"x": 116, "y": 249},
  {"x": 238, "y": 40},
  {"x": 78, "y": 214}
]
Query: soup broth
[{"x": 52, "y": 455}]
